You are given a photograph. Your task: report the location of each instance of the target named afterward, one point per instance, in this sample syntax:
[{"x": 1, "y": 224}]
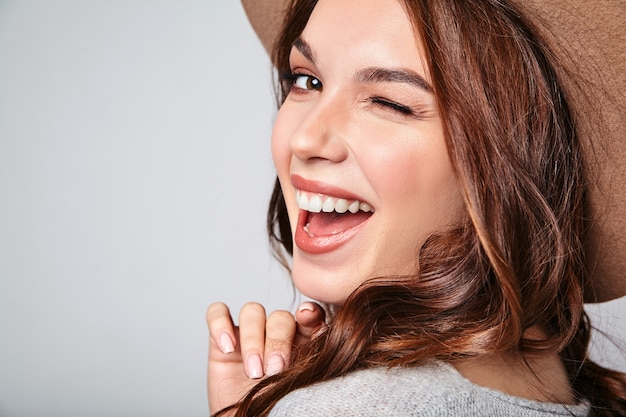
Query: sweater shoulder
[{"x": 432, "y": 390}]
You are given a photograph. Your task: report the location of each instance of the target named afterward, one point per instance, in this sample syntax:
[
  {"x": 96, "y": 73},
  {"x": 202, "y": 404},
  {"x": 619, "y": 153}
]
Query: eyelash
[
  {"x": 289, "y": 80},
  {"x": 392, "y": 105}
]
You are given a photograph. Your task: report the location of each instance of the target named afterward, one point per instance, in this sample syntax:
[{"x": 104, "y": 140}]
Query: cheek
[
  {"x": 410, "y": 167},
  {"x": 420, "y": 175},
  {"x": 281, "y": 156},
  {"x": 415, "y": 180},
  {"x": 280, "y": 143}
]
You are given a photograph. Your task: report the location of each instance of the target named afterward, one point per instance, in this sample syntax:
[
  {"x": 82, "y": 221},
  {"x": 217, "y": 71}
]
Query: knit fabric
[{"x": 436, "y": 389}]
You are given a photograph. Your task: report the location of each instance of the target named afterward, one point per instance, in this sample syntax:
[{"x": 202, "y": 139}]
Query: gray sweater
[{"x": 437, "y": 389}]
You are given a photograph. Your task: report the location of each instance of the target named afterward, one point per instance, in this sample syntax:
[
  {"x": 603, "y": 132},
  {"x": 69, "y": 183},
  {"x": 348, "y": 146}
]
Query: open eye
[
  {"x": 302, "y": 82},
  {"x": 307, "y": 82}
]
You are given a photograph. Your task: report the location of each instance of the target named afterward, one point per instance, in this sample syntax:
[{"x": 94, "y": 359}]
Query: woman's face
[{"x": 359, "y": 149}]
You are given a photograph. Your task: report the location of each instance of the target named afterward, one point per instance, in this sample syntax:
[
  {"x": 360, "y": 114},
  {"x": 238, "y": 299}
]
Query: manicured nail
[
  {"x": 255, "y": 366},
  {"x": 306, "y": 307},
  {"x": 226, "y": 343},
  {"x": 275, "y": 364}
]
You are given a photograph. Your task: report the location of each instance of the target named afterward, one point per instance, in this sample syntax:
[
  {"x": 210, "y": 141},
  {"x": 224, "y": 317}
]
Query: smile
[
  {"x": 326, "y": 222},
  {"x": 316, "y": 203}
]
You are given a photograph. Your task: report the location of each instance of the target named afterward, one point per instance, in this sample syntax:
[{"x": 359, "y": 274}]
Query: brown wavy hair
[{"x": 517, "y": 263}]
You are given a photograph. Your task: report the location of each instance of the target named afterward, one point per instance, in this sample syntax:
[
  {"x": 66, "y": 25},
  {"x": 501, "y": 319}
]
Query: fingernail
[
  {"x": 255, "y": 366},
  {"x": 306, "y": 307},
  {"x": 226, "y": 343},
  {"x": 275, "y": 364}
]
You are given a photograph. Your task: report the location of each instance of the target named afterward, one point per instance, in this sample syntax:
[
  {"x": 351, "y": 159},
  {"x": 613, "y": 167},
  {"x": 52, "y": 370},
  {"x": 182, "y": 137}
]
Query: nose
[{"x": 322, "y": 131}]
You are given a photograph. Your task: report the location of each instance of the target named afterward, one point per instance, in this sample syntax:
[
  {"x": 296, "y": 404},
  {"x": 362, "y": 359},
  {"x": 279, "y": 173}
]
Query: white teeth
[
  {"x": 341, "y": 206},
  {"x": 328, "y": 206},
  {"x": 314, "y": 204},
  {"x": 302, "y": 200}
]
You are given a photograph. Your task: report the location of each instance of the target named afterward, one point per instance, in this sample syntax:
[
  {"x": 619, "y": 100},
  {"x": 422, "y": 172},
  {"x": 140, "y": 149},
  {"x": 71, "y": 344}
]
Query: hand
[{"x": 259, "y": 346}]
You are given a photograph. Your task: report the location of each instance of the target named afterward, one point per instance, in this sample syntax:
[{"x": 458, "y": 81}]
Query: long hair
[{"x": 519, "y": 260}]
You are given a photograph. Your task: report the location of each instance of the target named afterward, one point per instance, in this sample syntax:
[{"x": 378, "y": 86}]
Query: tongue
[{"x": 321, "y": 224}]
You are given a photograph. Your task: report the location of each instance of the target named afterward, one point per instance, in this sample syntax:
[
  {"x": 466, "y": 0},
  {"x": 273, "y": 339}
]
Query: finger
[
  {"x": 280, "y": 331},
  {"x": 221, "y": 327},
  {"x": 252, "y": 338},
  {"x": 310, "y": 317}
]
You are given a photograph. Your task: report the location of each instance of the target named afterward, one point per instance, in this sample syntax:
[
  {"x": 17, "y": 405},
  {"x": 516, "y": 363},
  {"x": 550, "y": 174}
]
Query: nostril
[{"x": 314, "y": 141}]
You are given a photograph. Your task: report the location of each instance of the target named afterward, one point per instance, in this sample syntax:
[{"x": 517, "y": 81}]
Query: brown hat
[{"x": 589, "y": 38}]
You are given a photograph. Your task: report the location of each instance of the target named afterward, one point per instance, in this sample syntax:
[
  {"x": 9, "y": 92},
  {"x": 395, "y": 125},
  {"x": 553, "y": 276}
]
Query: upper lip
[{"x": 318, "y": 187}]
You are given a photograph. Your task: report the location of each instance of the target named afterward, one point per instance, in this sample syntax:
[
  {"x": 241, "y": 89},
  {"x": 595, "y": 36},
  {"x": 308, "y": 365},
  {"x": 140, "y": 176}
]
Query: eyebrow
[
  {"x": 304, "y": 48},
  {"x": 373, "y": 74},
  {"x": 396, "y": 75}
]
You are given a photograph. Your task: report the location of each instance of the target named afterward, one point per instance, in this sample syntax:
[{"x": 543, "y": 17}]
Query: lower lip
[{"x": 322, "y": 244}]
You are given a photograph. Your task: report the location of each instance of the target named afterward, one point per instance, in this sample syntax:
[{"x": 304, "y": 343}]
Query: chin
[{"x": 329, "y": 287}]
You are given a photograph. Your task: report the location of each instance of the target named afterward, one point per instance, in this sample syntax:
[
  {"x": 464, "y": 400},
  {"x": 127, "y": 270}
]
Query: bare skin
[
  {"x": 261, "y": 345},
  {"x": 539, "y": 377}
]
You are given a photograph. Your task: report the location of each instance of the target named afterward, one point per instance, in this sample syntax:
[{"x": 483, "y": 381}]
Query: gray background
[{"x": 134, "y": 176}]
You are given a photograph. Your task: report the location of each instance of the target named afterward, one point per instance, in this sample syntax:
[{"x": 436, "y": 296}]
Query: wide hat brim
[{"x": 589, "y": 38}]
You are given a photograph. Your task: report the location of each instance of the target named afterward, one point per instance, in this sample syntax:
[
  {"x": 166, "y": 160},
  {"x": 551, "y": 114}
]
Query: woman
[{"x": 433, "y": 192}]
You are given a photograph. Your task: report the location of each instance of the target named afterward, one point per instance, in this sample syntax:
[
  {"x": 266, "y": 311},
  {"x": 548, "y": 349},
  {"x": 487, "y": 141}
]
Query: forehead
[{"x": 367, "y": 32}]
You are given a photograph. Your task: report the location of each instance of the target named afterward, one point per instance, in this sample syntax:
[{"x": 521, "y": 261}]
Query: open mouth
[
  {"x": 326, "y": 222},
  {"x": 329, "y": 215}
]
